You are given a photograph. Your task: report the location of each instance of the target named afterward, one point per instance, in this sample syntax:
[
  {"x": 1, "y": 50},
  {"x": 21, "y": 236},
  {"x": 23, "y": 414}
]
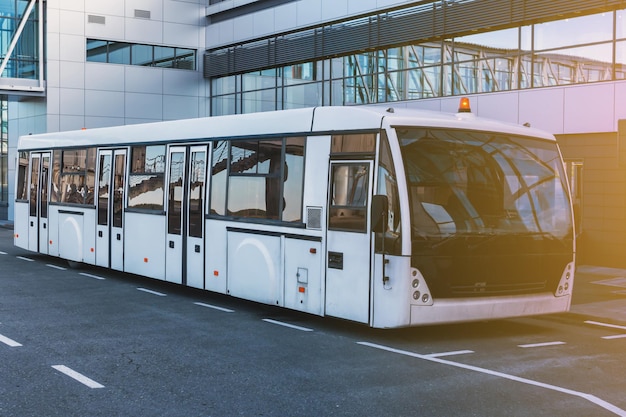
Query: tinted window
[{"x": 146, "y": 180}]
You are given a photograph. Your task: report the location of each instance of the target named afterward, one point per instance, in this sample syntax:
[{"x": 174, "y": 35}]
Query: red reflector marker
[
  {"x": 301, "y": 289},
  {"x": 145, "y": 260},
  {"x": 313, "y": 250},
  {"x": 216, "y": 273}
]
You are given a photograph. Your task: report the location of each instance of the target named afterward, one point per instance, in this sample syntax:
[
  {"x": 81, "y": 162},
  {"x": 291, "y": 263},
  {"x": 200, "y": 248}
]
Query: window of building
[
  {"x": 567, "y": 51},
  {"x": 125, "y": 53},
  {"x": 24, "y": 61},
  {"x": 146, "y": 179}
]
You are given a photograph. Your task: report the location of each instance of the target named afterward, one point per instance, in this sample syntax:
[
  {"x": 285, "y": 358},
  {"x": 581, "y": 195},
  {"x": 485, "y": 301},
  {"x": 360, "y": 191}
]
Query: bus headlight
[
  {"x": 416, "y": 295},
  {"x": 415, "y": 283}
]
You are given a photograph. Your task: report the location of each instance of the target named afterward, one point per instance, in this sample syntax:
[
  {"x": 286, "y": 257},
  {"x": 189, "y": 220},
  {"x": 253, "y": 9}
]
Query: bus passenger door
[
  {"x": 348, "y": 241},
  {"x": 38, "y": 207},
  {"x": 110, "y": 208},
  {"x": 194, "y": 270},
  {"x": 184, "y": 259},
  {"x": 174, "y": 210}
]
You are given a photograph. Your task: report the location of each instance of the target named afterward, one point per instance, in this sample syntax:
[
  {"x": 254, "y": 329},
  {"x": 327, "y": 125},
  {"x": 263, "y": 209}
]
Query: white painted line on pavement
[
  {"x": 291, "y": 326},
  {"x": 591, "y": 398},
  {"x": 534, "y": 345},
  {"x": 617, "y": 336},
  {"x": 60, "y": 268},
  {"x": 77, "y": 376},
  {"x": 2, "y": 253},
  {"x": 160, "y": 294},
  {"x": 613, "y": 326},
  {"x": 91, "y": 276},
  {"x": 458, "y": 352},
  {"x": 25, "y": 259},
  {"x": 226, "y": 310},
  {"x": 9, "y": 342}
]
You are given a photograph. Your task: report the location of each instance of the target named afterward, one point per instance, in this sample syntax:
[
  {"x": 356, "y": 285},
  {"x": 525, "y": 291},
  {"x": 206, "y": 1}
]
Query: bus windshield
[{"x": 479, "y": 183}]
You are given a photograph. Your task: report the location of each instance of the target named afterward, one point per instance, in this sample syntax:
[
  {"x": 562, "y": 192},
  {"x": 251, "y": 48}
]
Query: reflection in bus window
[
  {"x": 255, "y": 179},
  {"x": 219, "y": 171},
  {"x": 103, "y": 190},
  {"x": 175, "y": 193},
  {"x": 260, "y": 179},
  {"x": 118, "y": 189},
  {"x": 77, "y": 176},
  {"x": 348, "y": 194},
  {"x": 388, "y": 185},
  {"x": 196, "y": 193},
  {"x": 34, "y": 185},
  {"x": 146, "y": 180},
  {"x": 487, "y": 184},
  {"x": 22, "y": 175}
]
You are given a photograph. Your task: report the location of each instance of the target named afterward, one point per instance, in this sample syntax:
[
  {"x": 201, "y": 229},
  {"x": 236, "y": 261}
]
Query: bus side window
[
  {"x": 348, "y": 197},
  {"x": 146, "y": 181},
  {"x": 260, "y": 179},
  {"x": 77, "y": 179},
  {"x": 22, "y": 175}
]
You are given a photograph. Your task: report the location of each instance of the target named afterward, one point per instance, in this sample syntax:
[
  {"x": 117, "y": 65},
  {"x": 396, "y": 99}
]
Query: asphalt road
[{"x": 92, "y": 342}]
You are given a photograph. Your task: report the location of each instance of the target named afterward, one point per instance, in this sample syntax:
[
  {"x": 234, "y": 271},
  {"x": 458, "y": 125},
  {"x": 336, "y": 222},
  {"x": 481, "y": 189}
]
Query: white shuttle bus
[{"x": 387, "y": 218}]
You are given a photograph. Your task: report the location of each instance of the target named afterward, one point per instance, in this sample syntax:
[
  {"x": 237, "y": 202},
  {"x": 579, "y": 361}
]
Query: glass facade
[
  {"x": 584, "y": 49},
  {"x": 125, "y": 53},
  {"x": 23, "y": 62}
]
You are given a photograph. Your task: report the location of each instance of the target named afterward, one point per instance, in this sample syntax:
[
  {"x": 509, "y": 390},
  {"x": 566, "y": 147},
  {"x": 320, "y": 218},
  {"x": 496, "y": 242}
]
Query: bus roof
[{"x": 288, "y": 122}]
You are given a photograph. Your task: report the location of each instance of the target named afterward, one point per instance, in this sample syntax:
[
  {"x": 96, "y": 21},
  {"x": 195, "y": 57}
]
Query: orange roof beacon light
[{"x": 464, "y": 105}]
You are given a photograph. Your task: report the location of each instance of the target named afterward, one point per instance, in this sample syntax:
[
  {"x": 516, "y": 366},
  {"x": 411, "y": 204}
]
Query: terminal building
[{"x": 557, "y": 65}]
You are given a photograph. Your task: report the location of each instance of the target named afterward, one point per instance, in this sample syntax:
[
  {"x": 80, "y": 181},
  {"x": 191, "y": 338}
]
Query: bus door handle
[
  {"x": 171, "y": 244},
  {"x": 119, "y": 236}
]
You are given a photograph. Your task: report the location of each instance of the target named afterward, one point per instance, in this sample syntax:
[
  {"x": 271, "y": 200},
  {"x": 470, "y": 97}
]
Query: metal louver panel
[{"x": 433, "y": 20}]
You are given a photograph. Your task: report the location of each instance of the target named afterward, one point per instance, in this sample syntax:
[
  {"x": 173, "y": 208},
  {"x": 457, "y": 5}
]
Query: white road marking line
[
  {"x": 613, "y": 326},
  {"x": 534, "y": 345},
  {"x": 77, "y": 376},
  {"x": 9, "y": 342},
  {"x": 612, "y": 282},
  {"x": 291, "y": 326},
  {"x": 591, "y": 398},
  {"x": 617, "y": 336},
  {"x": 91, "y": 276},
  {"x": 160, "y": 294},
  {"x": 25, "y": 259},
  {"x": 57, "y": 267},
  {"x": 2, "y": 253},
  {"x": 458, "y": 352},
  {"x": 226, "y": 310}
]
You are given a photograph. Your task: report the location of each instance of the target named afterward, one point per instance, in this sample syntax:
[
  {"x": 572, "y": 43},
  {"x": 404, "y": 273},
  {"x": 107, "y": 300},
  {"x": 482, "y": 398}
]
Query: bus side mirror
[{"x": 380, "y": 209}]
